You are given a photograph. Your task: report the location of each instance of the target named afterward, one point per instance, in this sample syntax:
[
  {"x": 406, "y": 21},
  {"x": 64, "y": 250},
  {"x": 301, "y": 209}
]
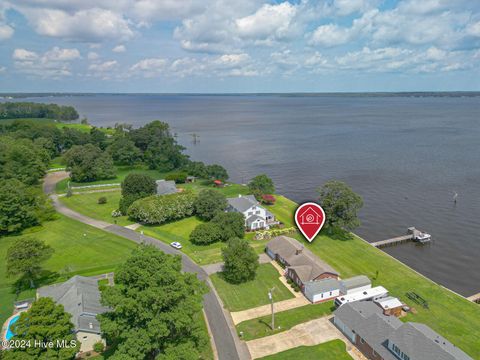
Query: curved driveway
[{"x": 226, "y": 341}]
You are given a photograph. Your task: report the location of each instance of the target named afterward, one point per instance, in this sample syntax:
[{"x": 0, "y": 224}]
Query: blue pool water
[{"x": 12, "y": 321}]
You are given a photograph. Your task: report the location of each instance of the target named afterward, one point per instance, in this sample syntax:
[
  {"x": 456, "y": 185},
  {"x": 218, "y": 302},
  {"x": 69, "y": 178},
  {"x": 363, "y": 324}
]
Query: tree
[
  {"x": 22, "y": 206},
  {"x": 159, "y": 147},
  {"x": 340, "y": 204},
  {"x": 89, "y": 163},
  {"x": 98, "y": 138},
  {"x": 240, "y": 261},
  {"x": 25, "y": 258},
  {"x": 21, "y": 159},
  {"x": 154, "y": 308},
  {"x": 138, "y": 184},
  {"x": 196, "y": 168},
  {"x": 124, "y": 151},
  {"x": 231, "y": 223},
  {"x": 208, "y": 203},
  {"x": 179, "y": 177},
  {"x": 261, "y": 184},
  {"x": 217, "y": 172},
  {"x": 134, "y": 187},
  {"x": 207, "y": 233},
  {"x": 44, "y": 322}
]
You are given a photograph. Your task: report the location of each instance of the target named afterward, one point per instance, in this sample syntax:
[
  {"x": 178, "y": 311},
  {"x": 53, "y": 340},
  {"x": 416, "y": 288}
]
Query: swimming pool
[{"x": 12, "y": 321}]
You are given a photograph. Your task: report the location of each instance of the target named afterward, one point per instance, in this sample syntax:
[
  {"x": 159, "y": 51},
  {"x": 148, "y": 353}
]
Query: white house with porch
[{"x": 256, "y": 216}]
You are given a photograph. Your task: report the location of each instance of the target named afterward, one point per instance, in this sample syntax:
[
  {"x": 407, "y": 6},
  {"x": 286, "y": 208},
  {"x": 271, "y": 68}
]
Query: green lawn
[
  {"x": 229, "y": 190},
  {"x": 332, "y": 350},
  {"x": 451, "y": 315},
  {"x": 122, "y": 172},
  {"x": 285, "y": 320},
  {"x": 283, "y": 209},
  {"x": 253, "y": 293},
  {"x": 79, "y": 249},
  {"x": 87, "y": 204}
]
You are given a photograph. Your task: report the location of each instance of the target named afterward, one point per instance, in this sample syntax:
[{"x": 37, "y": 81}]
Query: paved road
[{"x": 224, "y": 334}]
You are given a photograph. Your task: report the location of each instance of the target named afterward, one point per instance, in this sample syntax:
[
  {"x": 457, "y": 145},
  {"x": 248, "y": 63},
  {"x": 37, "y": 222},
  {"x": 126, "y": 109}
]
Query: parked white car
[{"x": 176, "y": 245}]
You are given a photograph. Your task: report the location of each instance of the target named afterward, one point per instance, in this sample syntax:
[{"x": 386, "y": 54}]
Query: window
[
  {"x": 405, "y": 356},
  {"x": 374, "y": 353},
  {"x": 362, "y": 341},
  {"x": 330, "y": 293},
  {"x": 257, "y": 212}
]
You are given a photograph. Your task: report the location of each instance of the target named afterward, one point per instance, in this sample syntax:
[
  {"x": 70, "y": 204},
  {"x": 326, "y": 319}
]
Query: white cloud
[
  {"x": 90, "y": 25},
  {"x": 347, "y": 7},
  {"x": 149, "y": 67},
  {"x": 54, "y": 63},
  {"x": 269, "y": 21},
  {"x": 103, "y": 67},
  {"x": 2, "y": 69},
  {"x": 119, "y": 49},
  {"x": 6, "y": 31},
  {"x": 474, "y": 29},
  {"x": 330, "y": 35},
  {"x": 24, "y": 55},
  {"x": 92, "y": 55},
  {"x": 58, "y": 54}
]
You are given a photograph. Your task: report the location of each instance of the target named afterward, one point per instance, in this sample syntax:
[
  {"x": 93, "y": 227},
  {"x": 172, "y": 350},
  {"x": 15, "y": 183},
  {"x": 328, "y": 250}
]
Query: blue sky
[{"x": 239, "y": 46}]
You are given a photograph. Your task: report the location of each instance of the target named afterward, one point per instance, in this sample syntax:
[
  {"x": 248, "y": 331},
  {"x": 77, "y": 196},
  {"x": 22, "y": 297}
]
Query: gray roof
[
  {"x": 242, "y": 203},
  {"x": 165, "y": 187},
  {"x": 81, "y": 298},
  {"x": 356, "y": 281},
  {"x": 306, "y": 265},
  {"x": 253, "y": 218},
  {"x": 322, "y": 286},
  {"x": 368, "y": 322},
  {"x": 416, "y": 340}
]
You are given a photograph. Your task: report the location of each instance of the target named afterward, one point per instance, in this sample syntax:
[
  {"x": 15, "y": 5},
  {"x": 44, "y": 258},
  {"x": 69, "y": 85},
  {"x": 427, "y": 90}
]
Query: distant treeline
[{"x": 17, "y": 110}]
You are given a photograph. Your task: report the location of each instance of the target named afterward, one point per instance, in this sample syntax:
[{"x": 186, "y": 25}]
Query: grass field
[
  {"x": 122, "y": 172},
  {"x": 451, "y": 315},
  {"x": 79, "y": 249},
  {"x": 253, "y": 293},
  {"x": 260, "y": 327},
  {"x": 87, "y": 204},
  {"x": 332, "y": 350}
]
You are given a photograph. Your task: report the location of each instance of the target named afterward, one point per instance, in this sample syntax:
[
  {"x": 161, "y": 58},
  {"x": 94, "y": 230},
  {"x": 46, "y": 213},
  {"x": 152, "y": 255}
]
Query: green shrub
[
  {"x": 231, "y": 223},
  {"x": 98, "y": 347},
  {"x": 178, "y": 177},
  {"x": 160, "y": 209},
  {"x": 102, "y": 200},
  {"x": 205, "y": 234},
  {"x": 209, "y": 203}
]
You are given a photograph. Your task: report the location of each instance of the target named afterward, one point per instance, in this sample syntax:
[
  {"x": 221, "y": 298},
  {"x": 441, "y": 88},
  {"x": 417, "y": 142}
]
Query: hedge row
[{"x": 160, "y": 209}]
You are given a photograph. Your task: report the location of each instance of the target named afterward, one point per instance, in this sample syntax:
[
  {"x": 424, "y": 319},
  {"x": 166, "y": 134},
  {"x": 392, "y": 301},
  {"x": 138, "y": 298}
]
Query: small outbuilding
[
  {"x": 322, "y": 290},
  {"x": 165, "y": 187},
  {"x": 390, "y": 306},
  {"x": 354, "y": 284}
]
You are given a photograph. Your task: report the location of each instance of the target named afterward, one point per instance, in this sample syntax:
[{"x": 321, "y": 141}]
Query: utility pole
[{"x": 270, "y": 296}]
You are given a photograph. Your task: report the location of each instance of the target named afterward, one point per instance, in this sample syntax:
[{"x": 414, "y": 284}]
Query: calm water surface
[{"x": 405, "y": 155}]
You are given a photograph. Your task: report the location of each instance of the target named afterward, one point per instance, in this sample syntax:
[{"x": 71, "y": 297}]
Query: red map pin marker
[{"x": 310, "y": 218}]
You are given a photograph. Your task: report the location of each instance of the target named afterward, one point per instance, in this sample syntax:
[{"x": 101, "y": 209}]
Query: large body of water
[{"x": 406, "y": 155}]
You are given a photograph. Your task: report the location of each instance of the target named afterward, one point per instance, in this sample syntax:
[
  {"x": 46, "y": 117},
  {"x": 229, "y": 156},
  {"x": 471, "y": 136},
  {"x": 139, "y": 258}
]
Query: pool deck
[{"x": 5, "y": 325}]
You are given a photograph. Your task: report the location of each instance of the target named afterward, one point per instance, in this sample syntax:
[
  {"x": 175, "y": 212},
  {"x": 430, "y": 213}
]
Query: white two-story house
[{"x": 256, "y": 216}]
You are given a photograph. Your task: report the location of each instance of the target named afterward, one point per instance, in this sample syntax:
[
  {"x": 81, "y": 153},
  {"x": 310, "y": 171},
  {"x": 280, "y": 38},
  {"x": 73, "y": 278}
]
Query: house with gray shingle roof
[
  {"x": 80, "y": 297},
  {"x": 165, "y": 187},
  {"x": 379, "y": 336},
  {"x": 302, "y": 266},
  {"x": 256, "y": 216}
]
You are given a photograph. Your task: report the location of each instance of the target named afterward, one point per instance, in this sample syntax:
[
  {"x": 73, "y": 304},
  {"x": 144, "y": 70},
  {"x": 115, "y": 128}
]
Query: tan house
[
  {"x": 302, "y": 266},
  {"x": 80, "y": 297}
]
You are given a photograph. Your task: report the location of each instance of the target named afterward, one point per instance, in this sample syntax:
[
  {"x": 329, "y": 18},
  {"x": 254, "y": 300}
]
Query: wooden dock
[
  {"x": 410, "y": 236},
  {"x": 393, "y": 241},
  {"x": 474, "y": 298}
]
